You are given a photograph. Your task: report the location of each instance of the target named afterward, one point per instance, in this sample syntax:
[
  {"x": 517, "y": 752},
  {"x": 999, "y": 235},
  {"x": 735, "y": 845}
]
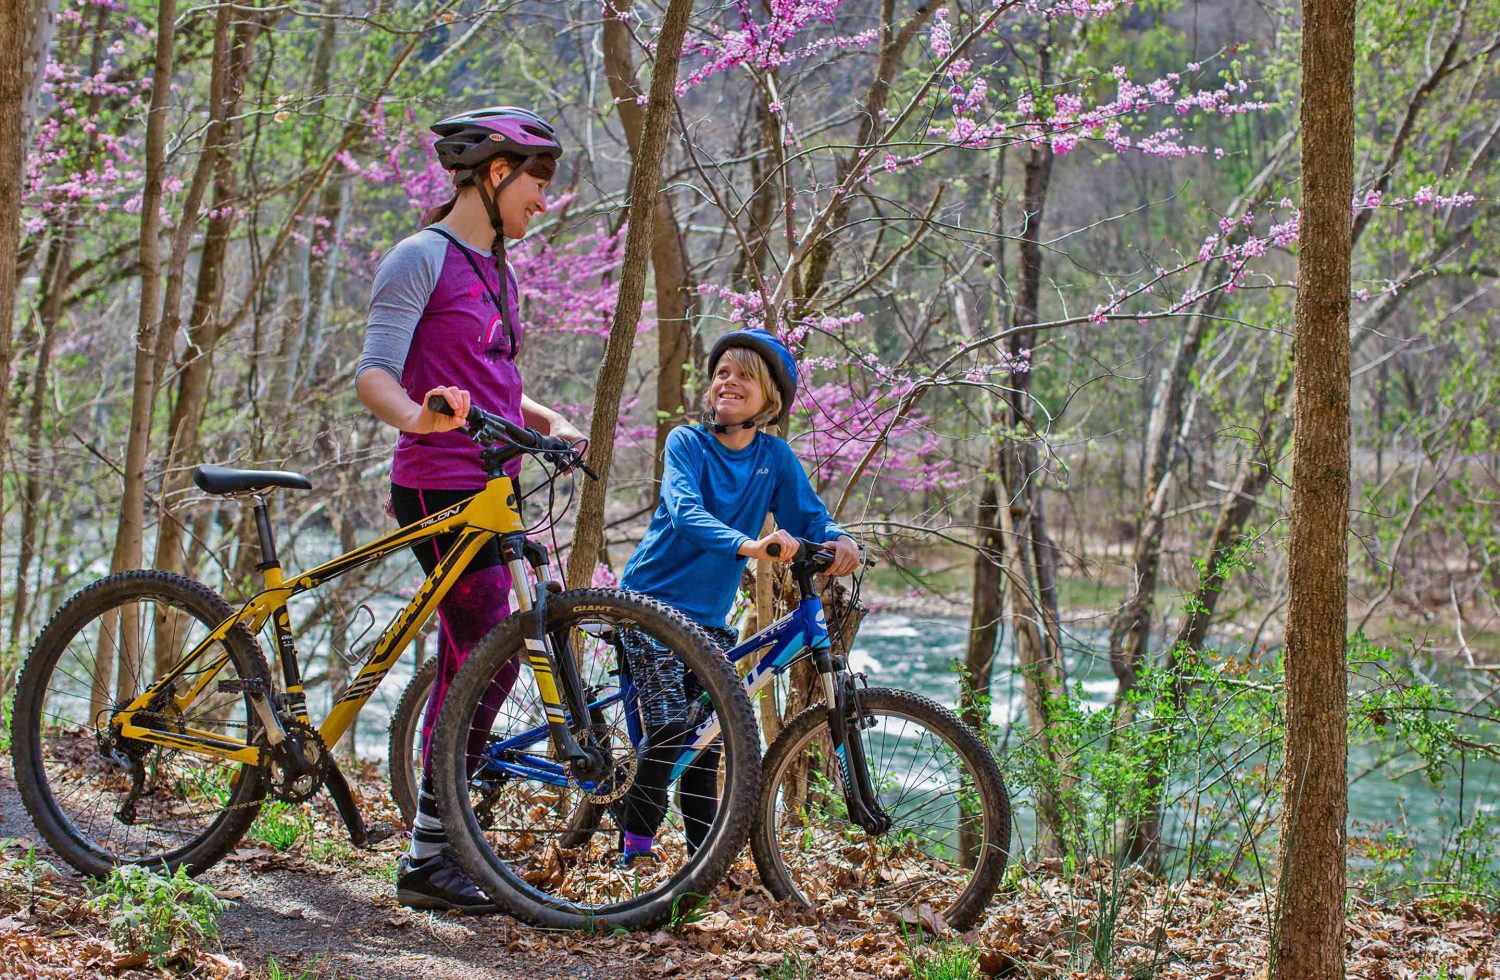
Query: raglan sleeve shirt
[
  {"x": 682, "y": 496},
  {"x": 796, "y": 506},
  {"x": 404, "y": 282}
]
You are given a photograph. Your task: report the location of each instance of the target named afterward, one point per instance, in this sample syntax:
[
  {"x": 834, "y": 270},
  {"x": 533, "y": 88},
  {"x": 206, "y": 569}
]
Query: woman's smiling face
[
  {"x": 522, "y": 200},
  {"x": 733, "y": 395}
]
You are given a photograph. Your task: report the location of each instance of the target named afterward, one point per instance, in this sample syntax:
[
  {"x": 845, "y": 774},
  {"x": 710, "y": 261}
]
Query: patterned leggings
[{"x": 665, "y": 698}]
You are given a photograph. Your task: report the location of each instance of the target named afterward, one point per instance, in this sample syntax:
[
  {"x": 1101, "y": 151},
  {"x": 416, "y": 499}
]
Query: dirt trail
[{"x": 343, "y": 922}]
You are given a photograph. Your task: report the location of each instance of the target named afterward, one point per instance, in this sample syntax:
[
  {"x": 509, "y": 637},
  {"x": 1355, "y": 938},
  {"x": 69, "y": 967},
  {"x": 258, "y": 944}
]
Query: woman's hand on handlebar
[
  {"x": 786, "y": 547},
  {"x": 429, "y": 421},
  {"x": 565, "y": 430}
]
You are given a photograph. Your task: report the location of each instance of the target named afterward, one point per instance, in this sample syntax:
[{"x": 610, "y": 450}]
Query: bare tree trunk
[
  {"x": 766, "y": 160},
  {"x": 1253, "y": 476},
  {"x": 988, "y": 588},
  {"x": 645, "y": 178},
  {"x": 318, "y": 263},
  {"x": 1130, "y": 627},
  {"x": 131, "y": 531},
  {"x": 1032, "y": 597},
  {"x": 1308, "y": 930},
  {"x": 55, "y": 275},
  {"x": 669, "y": 261},
  {"x": 1141, "y": 841},
  {"x": 204, "y": 322},
  {"x": 27, "y": 24}
]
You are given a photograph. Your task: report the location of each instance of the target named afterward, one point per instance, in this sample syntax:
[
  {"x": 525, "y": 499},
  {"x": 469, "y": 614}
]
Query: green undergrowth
[{"x": 163, "y": 917}]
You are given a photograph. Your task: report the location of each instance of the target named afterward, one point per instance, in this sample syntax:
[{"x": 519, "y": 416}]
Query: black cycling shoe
[{"x": 439, "y": 883}]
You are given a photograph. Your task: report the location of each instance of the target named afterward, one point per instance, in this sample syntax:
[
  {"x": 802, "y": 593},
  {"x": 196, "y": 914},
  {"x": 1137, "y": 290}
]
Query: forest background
[{"x": 1037, "y": 259}]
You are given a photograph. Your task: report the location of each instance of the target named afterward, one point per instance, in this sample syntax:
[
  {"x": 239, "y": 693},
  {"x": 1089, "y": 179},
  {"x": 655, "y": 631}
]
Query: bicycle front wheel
[
  {"x": 100, "y": 798},
  {"x": 950, "y": 833},
  {"x": 544, "y": 842}
]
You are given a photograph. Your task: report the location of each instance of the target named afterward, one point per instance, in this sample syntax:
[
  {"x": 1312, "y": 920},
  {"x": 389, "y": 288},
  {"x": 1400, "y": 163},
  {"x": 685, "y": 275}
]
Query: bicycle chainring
[{"x": 284, "y": 779}]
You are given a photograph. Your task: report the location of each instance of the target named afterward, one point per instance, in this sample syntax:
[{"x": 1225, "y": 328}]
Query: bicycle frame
[
  {"x": 491, "y": 513},
  {"x": 774, "y": 650},
  {"x": 777, "y": 647}
]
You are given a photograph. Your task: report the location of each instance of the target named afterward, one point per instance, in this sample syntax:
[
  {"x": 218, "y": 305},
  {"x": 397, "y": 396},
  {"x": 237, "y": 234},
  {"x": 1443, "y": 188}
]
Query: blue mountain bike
[{"x": 875, "y": 800}]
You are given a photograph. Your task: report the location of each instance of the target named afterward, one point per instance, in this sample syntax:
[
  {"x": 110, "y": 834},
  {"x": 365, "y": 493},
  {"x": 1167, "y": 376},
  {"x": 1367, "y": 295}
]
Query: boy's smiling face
[{"x": 734, "y": 396}]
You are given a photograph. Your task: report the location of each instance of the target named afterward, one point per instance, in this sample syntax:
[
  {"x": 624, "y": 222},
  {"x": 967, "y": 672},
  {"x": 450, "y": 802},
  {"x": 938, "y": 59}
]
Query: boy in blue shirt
[{"x": 719, "y": 480}]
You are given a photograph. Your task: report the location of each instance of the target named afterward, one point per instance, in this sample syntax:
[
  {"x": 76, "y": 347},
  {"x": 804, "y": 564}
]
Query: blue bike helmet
[{"x": 776, "y": 355}]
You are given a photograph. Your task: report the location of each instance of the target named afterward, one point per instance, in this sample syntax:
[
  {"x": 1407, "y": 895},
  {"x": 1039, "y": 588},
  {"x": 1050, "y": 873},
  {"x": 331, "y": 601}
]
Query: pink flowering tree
[{"x": 952, "y": 104}]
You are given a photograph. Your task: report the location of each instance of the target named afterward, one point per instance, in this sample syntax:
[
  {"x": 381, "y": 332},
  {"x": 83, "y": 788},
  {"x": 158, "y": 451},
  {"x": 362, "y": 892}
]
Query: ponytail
[{"x": 434, "y": 215}]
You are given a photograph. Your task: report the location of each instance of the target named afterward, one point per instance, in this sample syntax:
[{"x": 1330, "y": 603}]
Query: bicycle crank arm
[{"x": 343, "y": 799}]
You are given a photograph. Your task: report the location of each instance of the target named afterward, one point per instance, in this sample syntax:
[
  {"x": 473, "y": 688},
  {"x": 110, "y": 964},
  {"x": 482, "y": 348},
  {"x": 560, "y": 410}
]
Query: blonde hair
[{"x": 755, "y": 369}]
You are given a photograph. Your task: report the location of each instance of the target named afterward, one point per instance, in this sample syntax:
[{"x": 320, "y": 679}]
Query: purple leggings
[
  {"x": 471, "y": 609},
  {"x": 476, "y": 603}
]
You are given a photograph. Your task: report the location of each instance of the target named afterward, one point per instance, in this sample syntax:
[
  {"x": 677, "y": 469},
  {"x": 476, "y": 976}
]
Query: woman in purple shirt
[{"x": 444, "y": 320}]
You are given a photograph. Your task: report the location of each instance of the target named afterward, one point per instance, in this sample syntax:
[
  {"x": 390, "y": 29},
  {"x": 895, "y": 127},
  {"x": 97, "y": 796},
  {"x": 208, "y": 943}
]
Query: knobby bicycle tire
[
  {"x": 740, "y": 780},
  {"x": 46, "y": 760},
  {"x": 816, "y": 851}
]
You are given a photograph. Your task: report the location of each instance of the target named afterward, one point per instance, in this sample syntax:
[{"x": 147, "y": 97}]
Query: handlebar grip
[
  {"x": 479, "y": 418},
  {"x": 805, "y": 548},
  {"x": 524, "y": 437}
]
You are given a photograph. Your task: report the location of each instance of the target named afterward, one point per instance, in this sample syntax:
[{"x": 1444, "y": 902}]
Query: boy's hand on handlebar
[
  {"x": 429, "y": 421},
  {"x": 786, "y": 544},
  {"x": 846, "y": 555}
]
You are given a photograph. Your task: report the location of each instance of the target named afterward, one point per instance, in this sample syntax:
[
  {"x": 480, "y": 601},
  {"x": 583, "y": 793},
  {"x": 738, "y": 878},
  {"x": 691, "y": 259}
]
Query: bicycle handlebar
[
  {"x": 810, "y": 553},
  {"x": 488, "y": 427}
]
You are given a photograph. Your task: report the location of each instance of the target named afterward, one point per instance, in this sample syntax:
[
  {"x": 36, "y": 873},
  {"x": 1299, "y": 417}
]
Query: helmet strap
[
  {"x": 712, "y": 424},
  {"x": 497, "y": 249}
]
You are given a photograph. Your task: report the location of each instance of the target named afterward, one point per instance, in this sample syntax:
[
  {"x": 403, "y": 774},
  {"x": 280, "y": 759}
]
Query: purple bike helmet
[
  {"x": 470, "y": 138},
  {"x": 467, "y": 141}
]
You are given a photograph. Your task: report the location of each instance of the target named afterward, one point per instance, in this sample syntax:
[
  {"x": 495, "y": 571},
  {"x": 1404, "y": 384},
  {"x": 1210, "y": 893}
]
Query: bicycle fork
[
  {"x": 546, "y": 665},
  {"x": 849, "y": 744}
]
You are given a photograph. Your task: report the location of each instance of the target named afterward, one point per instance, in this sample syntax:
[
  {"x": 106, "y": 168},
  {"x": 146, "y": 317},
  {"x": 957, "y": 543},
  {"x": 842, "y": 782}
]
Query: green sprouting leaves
[{"x": 155, "y": 914}]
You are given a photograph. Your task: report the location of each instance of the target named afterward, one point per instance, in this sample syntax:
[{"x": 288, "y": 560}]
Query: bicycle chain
[{"x": 264, "y": 768}]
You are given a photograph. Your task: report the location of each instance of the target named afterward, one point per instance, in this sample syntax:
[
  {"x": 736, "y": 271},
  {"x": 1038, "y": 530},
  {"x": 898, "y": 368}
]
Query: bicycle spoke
[{"x": 923, "y": 785}]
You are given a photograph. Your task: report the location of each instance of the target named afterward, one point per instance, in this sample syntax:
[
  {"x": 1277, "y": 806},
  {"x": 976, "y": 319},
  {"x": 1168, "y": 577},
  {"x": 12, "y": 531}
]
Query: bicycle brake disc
[{"x": 613, "y": 786}]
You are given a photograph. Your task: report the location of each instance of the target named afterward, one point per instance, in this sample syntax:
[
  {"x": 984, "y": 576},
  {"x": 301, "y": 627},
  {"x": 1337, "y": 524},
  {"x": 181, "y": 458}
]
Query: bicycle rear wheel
[
  {"x": 101, "y": 799},
  {"x": 935, "y": 779},
  {"x": 405, "y": 746},
  {"x": 539, "y": 843}
]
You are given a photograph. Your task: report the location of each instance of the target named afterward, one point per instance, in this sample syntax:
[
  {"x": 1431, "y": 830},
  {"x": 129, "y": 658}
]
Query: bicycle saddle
[{"x": 222, "y": 479}]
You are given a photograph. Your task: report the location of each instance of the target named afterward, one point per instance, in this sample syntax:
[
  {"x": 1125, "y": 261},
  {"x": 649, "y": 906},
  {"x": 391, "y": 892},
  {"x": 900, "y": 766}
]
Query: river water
[{"x": 919, "y": 654}]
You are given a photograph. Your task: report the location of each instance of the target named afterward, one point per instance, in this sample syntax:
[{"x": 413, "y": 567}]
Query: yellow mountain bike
[{"x": 149, "y": 728}]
